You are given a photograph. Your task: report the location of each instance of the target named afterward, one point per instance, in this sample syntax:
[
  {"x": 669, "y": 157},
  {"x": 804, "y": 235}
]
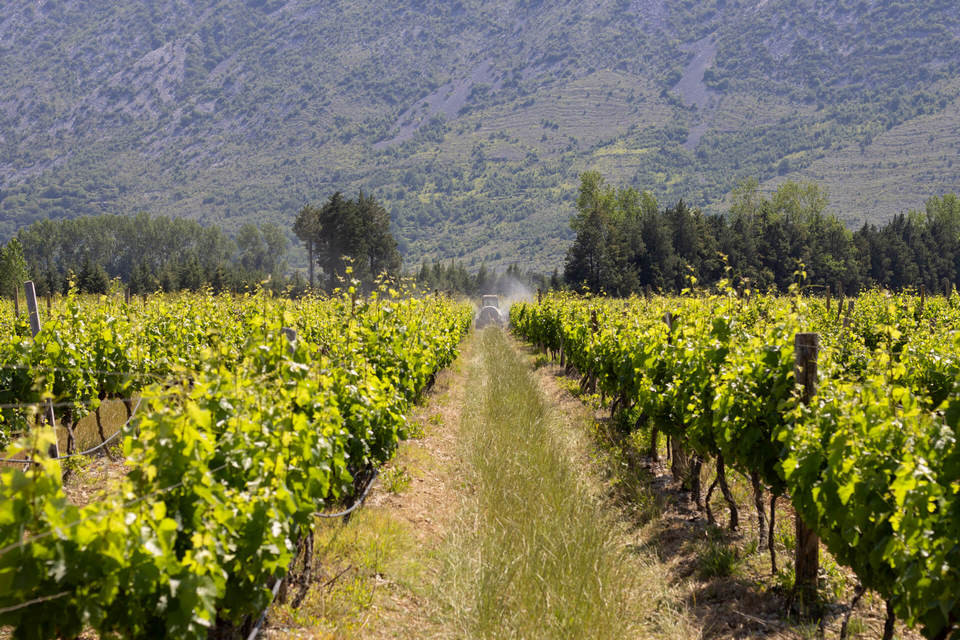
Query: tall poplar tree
[{"x": 13, "y": 268}]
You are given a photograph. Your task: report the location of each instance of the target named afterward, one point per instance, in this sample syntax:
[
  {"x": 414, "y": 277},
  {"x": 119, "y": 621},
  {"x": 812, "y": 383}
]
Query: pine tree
[
  {"x": 355, "y": 233},
  {"x": 483, "y": 279},
  {"x": 93, "y": 277},
  {"x": 555, "y": 283},
  {"x": 190, "y": 274},
  {"x": 220, "y": 280}
]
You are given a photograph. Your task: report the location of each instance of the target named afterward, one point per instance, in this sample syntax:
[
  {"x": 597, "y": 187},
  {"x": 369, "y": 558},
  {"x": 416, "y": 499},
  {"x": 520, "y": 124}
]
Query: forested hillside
[{"x": 470, "y": 120}]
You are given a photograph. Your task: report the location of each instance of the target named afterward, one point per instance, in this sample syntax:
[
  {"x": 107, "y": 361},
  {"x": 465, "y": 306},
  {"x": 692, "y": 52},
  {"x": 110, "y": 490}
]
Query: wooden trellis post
[
  {"x": 31, "y": 294},
  {"x": 807, "y": 553},
  {"x": 847, "y": 318}
]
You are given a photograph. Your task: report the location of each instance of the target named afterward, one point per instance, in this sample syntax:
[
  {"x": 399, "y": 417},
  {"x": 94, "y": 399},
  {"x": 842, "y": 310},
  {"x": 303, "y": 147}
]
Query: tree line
[
  {"x": 146, "y": 253},
  {"x": 626, "y": 243},
  {"x": 346, "y": 240}
]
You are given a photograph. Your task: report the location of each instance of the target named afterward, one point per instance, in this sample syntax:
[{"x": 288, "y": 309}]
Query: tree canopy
[
  {"x": 626, "y": 244},
  {"x": 349, "y": 233},
  {"x": 13, "y": 267},
  {"x": 150, "y": 253}
]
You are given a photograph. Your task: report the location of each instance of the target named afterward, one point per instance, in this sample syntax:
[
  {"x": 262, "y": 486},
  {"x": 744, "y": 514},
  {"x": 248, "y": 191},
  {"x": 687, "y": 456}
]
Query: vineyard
[
  {"x": 865, "y": 450},
  {"x": 245, "y": 417}
]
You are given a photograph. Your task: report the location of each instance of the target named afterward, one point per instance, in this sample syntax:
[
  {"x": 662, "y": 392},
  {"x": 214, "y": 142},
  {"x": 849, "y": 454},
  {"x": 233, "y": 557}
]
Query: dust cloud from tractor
[{"x": 494, "y": 308}]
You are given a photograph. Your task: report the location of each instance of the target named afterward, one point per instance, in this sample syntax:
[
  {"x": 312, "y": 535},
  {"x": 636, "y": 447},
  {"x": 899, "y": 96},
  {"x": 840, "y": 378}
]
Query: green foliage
[
  {"x": 150, "y": 253},
  {"x": 13, "y": 268},
  {"x": 717, "y": 559},
  {"x": 349, "y": 238},
  {"x": 243, "y": 436},
  {"x": 93, "y": 277},
  {"x": 261, "y": 250},
  {"x": 871, "y": 464},
  {"x": 625, "y": 245},
  {"x": 395, "y": 479}
]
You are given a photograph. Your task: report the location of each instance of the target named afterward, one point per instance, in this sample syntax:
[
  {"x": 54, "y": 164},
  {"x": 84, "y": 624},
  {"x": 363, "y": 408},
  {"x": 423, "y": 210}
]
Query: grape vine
[
  {"x": 243, "y": 436},
  {"x": 871, "y": 464}
]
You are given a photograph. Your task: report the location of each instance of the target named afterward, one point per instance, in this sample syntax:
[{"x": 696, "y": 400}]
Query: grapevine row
[
  {"x": 871, "y": 464},
  {"x": 243, "y": 436}
]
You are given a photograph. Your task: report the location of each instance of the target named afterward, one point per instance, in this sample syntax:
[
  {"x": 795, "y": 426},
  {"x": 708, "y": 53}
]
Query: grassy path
[
  {"x": 535, "y": 555},
  {"x": 493, "y": 524}
]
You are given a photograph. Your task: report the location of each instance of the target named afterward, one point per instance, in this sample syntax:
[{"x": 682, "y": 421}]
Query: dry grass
[
  {"x": 91, "y": 477},
  {"x": 113, "y": 414},
  {"x": 549, "y": 561}
]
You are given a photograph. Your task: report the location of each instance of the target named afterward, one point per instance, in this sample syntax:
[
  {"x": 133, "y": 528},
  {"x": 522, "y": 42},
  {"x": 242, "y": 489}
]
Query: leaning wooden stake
[
  {"x": 713, "y": 485},
  {"x": 694, "y": 470},
  {"x": 858, "y": 592},
  {"x": 807, "y": 554},
  {"x": 16, "y": 300},
  {"x": 727, "y": 494},
  {"x": 31, "y": 294},
  {"x": 757, "y": 487},
  {"x": 888, "y": 624},
  {"x": 772, "y": 534}
]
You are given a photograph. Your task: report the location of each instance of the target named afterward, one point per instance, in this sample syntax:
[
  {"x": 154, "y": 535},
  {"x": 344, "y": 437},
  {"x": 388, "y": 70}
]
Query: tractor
[{"x": 490, "y": 313}]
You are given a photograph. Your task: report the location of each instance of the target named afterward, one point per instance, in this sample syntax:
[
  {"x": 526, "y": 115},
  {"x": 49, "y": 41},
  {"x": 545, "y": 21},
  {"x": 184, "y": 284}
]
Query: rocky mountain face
[{"x": 469, "y": 119}]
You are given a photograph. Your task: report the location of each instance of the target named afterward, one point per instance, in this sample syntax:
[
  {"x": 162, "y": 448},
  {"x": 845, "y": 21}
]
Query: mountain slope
[{"x": 471, "y": 120}]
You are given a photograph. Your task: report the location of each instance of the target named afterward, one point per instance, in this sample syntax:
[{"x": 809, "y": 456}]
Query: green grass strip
[{"x": 537, "y": 556}]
